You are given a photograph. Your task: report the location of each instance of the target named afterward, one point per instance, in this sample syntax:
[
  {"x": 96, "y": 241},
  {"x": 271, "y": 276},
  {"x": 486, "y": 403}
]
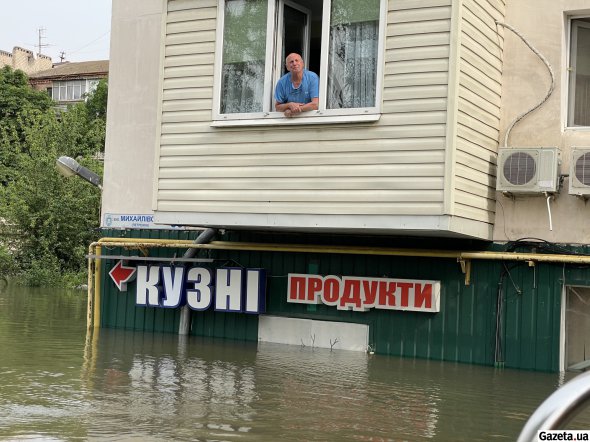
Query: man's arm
[
  {"x": 312, "y": 105},
  {"x": 282, "y": 107},
  {"x": 295, "y": 108}
]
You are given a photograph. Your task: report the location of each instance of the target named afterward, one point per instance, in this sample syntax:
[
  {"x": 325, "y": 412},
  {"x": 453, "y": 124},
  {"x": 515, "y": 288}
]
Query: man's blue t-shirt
[{"x": 308, "y": 89}]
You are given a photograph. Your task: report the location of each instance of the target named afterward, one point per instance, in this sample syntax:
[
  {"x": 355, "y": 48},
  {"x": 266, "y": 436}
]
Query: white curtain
[
  {"x": 242, "y": 87},
  {"x": 352, "y": 72}
]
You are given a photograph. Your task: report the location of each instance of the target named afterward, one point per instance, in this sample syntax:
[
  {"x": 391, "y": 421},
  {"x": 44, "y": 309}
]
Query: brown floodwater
[{"x": 57, "y": 383}]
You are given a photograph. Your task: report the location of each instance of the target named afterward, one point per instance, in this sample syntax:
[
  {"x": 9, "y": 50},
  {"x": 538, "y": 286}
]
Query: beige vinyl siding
[
  {"x": 392, "y": 167},
  {"x": 478, "y": 108}
]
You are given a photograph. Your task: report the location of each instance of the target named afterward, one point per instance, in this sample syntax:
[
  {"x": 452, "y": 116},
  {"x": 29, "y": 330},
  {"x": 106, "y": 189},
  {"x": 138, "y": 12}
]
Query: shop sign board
[
  {"x": 226, "y": 289},
  {"x": 361, "y": 294}
]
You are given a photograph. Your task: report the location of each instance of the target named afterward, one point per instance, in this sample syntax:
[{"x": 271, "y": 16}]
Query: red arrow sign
[{"x": 122, "y": 274}]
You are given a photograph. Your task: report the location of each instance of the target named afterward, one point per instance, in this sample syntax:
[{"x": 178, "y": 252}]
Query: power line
[{"x": 88, "y": 44}]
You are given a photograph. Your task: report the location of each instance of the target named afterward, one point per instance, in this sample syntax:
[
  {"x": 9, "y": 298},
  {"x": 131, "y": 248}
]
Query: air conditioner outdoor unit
[
  {"x": 528, "y": 170},
  {"x": 580, "y": 171}
]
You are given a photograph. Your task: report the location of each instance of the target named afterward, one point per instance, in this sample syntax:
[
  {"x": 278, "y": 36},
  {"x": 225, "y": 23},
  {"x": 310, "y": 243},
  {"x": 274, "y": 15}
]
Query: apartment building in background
[
  {"x": 25, "y": 60},
  {"x": 69, "y": 82}
]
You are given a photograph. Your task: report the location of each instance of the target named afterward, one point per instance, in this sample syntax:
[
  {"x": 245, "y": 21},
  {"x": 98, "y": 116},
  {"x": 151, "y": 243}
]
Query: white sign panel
[
  {"x": 362, "y": 294},
  {"x": 133, "y": 221}
]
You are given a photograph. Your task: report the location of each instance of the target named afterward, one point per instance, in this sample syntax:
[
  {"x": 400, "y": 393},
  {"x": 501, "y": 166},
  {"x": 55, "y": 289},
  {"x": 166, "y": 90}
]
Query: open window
[
  {"x": 340, "y": 40},
  {"x": 579, "y": 73}
]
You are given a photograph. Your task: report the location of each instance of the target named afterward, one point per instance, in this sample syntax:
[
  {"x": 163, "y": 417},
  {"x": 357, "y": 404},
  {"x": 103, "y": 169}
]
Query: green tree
[
  {"x": 96, "y": 102},
  {"x": 20, "y": 107},
  {"x": 56, "y": 218}
]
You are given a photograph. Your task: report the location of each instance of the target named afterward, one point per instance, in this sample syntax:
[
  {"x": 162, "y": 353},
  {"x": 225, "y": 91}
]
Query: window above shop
[
  {"x": 340, "y": 40},
  {"x": 579, "y": 73}
]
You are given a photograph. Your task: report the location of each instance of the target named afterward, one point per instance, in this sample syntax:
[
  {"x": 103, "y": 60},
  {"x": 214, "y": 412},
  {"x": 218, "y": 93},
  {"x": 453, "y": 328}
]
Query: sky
[{"x": 79, "y": 28}]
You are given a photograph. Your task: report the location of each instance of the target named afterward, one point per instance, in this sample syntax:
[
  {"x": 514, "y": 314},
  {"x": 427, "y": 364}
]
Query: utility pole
[
  {"x": 41, "y": 36},
  {"x": 62, "y": 56}
]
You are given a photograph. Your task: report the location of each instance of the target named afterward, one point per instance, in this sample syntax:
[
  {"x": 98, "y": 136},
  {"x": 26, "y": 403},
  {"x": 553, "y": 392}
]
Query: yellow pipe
[
  {"x": 263, "y": 247},
  {"x": 97, "y": 266},
  {"x": 90, "y": 287},
  {"x": 179, "y": 242},
  {"x": 359, "y": 250},
  {"x": 536, "y": 257}
]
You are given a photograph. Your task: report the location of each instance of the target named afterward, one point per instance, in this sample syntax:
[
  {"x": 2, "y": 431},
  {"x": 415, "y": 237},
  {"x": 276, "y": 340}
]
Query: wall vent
[
  {"x": 528, "y": 170},
  {"x": 580, "y": 171}
]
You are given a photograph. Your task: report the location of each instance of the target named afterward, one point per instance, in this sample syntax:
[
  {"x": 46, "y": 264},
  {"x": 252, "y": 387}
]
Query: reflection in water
[{"x": 60, "y": 384}]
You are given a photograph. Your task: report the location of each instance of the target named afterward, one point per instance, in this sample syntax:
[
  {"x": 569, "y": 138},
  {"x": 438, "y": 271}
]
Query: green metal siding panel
[
  {"x": 464, "y": 330},
  {"x": 118, "y": 310},
  {"x": 532, "y": 316}
]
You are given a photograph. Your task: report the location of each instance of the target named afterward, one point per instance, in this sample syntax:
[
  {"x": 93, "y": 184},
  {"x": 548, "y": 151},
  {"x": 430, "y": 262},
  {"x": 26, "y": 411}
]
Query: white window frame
[
  {"x": 569, "y": 72},
  {"x": 64, "y": 86},
  {"x": 322, "y": 115},
  {"x": 279, "y": 61}
]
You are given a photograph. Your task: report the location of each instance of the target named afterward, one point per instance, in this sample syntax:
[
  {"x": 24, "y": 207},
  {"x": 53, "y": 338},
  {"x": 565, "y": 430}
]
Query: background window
[
  {"x": 579, "y": 81},
  {"x": 69, "y": 90}
]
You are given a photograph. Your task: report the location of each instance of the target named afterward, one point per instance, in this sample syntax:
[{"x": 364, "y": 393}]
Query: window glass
[
  {"x": 580, "y": 74},
  {"x": 354, "y": 42},
  {"x": 244, "y": 51},
  {"x": 77, "y": 91}
]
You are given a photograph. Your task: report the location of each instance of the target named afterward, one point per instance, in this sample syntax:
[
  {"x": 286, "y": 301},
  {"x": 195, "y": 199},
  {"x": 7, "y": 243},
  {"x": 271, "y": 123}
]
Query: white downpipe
[{"x": 549, "y": 210}]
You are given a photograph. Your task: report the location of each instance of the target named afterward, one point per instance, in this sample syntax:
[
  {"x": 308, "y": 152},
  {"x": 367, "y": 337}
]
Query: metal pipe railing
[{"x": 559, "y": 408}]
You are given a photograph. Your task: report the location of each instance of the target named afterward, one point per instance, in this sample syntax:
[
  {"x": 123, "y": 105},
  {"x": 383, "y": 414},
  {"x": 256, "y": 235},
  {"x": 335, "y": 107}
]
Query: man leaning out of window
[{"x": 298, "y": 90}]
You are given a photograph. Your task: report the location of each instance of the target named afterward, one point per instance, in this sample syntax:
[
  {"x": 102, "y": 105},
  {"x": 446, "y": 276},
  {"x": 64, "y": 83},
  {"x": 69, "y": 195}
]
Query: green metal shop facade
[{"x": 510, "y": 313}]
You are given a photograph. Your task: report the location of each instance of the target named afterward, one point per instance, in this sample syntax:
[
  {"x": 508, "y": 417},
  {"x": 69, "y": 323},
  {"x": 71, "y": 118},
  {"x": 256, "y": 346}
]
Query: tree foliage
[
  {"x": 52, "y": 219},
  {"x": 20, "y": 107}
]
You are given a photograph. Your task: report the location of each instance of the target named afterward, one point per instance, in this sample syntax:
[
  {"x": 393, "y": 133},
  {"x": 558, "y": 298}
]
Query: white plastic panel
[{"x": 311, "y": 333}]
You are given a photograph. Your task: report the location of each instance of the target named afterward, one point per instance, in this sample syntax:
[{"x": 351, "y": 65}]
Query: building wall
[
  {"x": 427, "y": 166},
  {"x": 42, "y": 85},
  {"x": 335, "y": 169},
  {"x": 525, "y": 82},
  {"x": 393, "y": 174},
  {"x": 478, "y": 96},
  {"x": 132, "y": 105},
  {"x": 25, "y": 60}
]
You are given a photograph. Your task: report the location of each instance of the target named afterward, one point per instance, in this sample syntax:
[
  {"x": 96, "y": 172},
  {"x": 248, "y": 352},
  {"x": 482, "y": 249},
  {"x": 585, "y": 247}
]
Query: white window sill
[
  {"x": 577, "y": 128},
  {"x": 278, "y": 119}
]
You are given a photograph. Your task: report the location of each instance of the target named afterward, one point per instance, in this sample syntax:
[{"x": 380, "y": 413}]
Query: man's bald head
[{"x": 294, "y": 62}]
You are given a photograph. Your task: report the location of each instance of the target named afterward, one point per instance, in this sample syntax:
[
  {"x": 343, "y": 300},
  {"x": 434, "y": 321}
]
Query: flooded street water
[{"x": 57, "y": 383}]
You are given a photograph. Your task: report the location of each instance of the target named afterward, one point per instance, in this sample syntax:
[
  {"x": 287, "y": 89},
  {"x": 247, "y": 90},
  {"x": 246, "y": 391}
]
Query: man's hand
[{"x": 292, "y": 109}]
